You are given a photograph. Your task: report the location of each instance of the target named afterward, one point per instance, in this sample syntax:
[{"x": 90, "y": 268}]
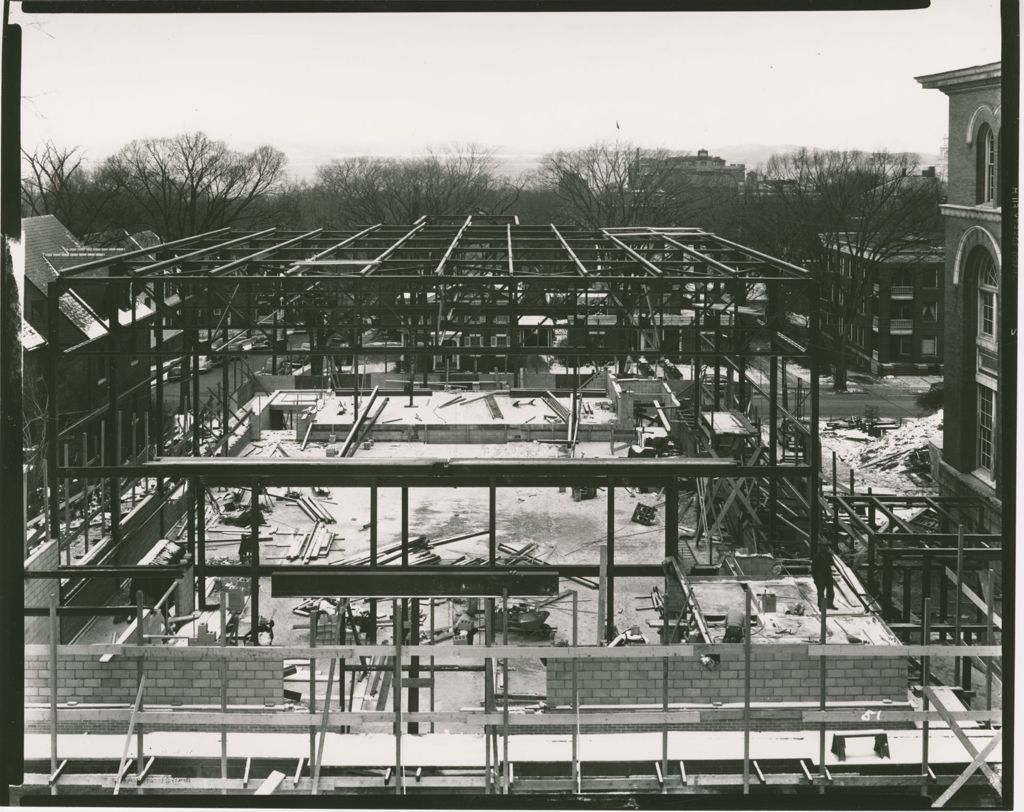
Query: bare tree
[
  {"x": 619, "y": 184},
  {"x": 56, "y": 182},
  {"x": 190, "y": 183},
  {"x": 876, "y": 205},
  {"x": 462, "y": 179}
]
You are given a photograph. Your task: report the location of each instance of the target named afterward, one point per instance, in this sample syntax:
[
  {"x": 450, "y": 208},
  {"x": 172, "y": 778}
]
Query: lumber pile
[{"x": 314, "y": 544}]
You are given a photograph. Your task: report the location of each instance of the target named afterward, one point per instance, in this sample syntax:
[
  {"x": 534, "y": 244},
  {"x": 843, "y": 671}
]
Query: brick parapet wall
[
  {"x": 85, "y": 679},
  {"x": 776, "y": 675}
]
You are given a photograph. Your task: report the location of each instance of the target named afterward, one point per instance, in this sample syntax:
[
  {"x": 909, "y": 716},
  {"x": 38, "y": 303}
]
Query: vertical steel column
[
  {"x": 672, "y": 518},
  {"x": 414, "y": 663},
  {"x": 223, "y": 690},
  {"x": 85, "y": 493},
  {"x": 140, "y": 640},
  {"x": 492, "y": 520},
  {"x": 773, "y": 413},
  {"x": 925, "y": 703},
  {"x": 53, "y": 352},
  {"x": 746, "y": 693},
  {"x": 254, "y": 579},
  {"x": 823, "y": 689},
  {"x": 197, "y": 415},
  {"x": 159, "y": 294},
  {"x": 54, "y": 642},
  {"x": 813, "y": 484},
  {"x": 610, "y": 610},
  {"x": 198, "y": 488},
  {"x": 113, "y": 415},
  {"x": 373, "y": 557}
]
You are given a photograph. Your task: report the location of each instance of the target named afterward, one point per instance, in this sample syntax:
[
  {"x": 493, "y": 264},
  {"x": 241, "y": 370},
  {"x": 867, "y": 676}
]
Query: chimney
[{"x": 702, "y": 153}]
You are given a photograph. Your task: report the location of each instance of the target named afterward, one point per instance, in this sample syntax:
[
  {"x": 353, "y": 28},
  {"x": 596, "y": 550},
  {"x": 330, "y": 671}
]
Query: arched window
[
  {"x": 986, "y": 164},
  {"x": 982, "y": 280},
  {"x": 988, "y": 294}
]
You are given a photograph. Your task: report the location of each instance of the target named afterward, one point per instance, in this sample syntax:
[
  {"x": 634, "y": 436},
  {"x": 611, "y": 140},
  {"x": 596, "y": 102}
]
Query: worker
[{"x": 821, "y": 571}]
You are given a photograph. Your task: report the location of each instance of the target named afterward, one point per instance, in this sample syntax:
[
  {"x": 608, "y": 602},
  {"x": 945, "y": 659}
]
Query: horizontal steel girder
[
  {"x": 440, "y": 473},
  {"x": 437, "y": 582}
]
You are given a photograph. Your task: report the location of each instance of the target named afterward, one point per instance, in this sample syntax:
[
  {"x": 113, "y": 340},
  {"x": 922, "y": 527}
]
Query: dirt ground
[{"x": 563, "y": 530}]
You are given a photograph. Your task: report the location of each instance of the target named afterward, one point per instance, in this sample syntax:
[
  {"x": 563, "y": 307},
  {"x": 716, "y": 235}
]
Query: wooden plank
[
  {"x": 879, "y": 715},
  {"x": 248, "y": 767},
  {"x": 973, "y": 597},
  {"x": 979, "y": 759},
  {"x": 947, "y": 717},
  {"x": 270, "y": 783},
  {"x": 145, "y": 770},
  {"x": 56, "y": 773},
  {"x": 128, "y": 737}
]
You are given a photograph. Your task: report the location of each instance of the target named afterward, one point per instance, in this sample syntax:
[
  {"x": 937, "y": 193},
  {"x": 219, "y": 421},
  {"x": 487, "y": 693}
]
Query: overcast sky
[{"x": 322, "y": 85}]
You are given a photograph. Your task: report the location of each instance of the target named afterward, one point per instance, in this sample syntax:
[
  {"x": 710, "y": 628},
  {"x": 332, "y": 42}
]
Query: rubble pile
[{"x": 901, "y": 448}]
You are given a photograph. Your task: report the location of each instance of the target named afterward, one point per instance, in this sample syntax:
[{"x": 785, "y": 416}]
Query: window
[
  {"x": 986, "y": 428},
  {"x": 904, "y": 345},
  {"x": 988, "y": 289},
  {"x": 501, "y": 341},
  {"x": 928, "y": 347},
  {"x": 986, "y": 165},
  {"x": 930, "y": 312},
  {"x": 474, "y": 341}
]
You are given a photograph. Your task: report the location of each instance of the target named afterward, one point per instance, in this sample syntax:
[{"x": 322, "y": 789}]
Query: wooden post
[
  {"x": 54, "y": 642},
  {"x": 835, "y": 474},
  {"x": 746, "y": 695},
  {"x": 373, "y": 557},
  {"x": 140, "y": 640},
  {"x": 602, "y": 591},
  {"x": 925, "y": 667},
  {"x": 664, "y": 703},
  {"x": 504, "y": 680},
  {"x": 851, "y": 481},
  {"x": 314, "y": 617},
  {"x": 956, "y": 597},
  {"x": 396, "y": 612},
  {"x": 223, "y": 690},
  {"x": 822, "y": 687},
  {"x": 989, "y": 636},
  {"x": 610, "y": 565},
  {"x": 575, "y": 697}
]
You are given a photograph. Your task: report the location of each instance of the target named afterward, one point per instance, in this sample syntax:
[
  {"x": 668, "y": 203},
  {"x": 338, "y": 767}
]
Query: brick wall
[
  {"x": 776, "y": 675},
  {"x": 962, "y": 168},
  {"x": 85, "y": 679}
]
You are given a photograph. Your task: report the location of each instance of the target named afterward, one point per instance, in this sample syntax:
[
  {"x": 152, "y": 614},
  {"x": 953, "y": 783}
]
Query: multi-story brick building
[
  {"x": 970, "y": 460},
  {"x": 897, "y": 324}
]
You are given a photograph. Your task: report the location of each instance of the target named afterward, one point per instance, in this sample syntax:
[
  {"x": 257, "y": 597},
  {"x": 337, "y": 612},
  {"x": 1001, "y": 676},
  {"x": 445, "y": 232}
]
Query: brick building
[
  {"x": 970, "y": 458},
  {"x": 897, "y": 327}
]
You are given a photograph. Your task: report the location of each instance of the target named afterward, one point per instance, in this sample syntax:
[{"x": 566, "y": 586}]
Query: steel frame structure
[{"x": 681, "y": 296}]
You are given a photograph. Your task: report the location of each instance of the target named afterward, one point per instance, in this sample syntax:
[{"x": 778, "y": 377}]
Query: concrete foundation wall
[
  {"x": 776, "y": 675},
  {"x": 85, "y": 679}
]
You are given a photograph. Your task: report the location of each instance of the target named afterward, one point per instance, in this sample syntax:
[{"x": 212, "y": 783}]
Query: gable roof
[{"x": 43, "y": 235}]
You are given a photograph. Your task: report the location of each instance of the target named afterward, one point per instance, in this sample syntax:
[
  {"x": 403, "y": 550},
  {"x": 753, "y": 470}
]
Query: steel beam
[{"x": 446, "y": 582}]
